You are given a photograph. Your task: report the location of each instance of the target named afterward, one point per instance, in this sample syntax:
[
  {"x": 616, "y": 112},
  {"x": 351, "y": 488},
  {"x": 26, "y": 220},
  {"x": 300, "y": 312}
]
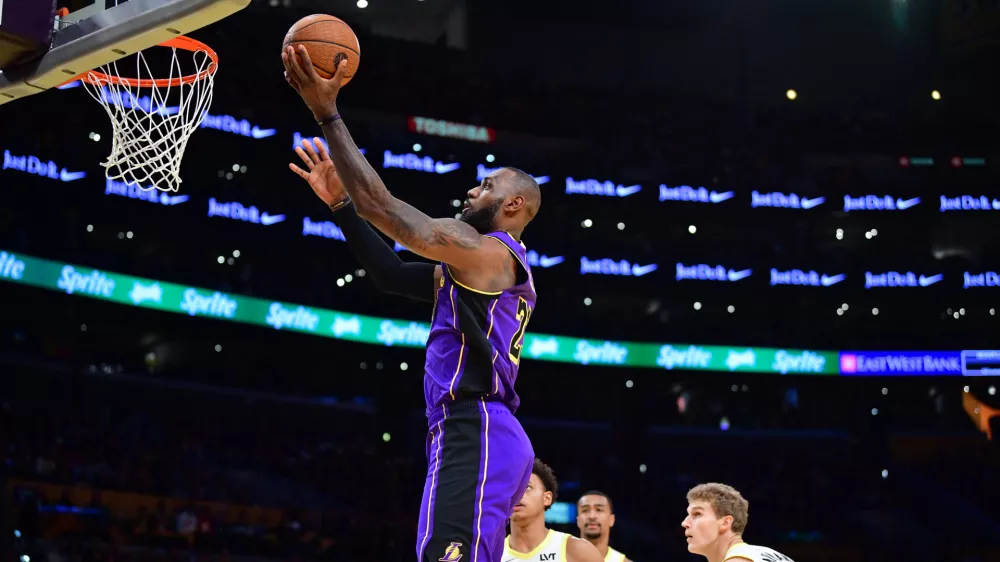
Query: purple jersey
[{"x": 474, "y": 345}]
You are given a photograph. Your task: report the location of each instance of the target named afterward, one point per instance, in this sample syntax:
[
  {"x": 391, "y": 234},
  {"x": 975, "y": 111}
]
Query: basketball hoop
[{"x": 150, "y": 131}]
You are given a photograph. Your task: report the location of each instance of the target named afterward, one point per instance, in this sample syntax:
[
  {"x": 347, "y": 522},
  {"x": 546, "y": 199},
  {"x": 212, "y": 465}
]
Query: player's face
[
  {"x": 594, "y": 517},
  {"x": 483, "y": 203},
  {"x": 533, "y": 502},
  {"x": 702, "y": 527}
]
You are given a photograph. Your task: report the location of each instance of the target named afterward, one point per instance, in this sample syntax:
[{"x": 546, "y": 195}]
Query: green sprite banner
[{"x": 193, "y": 301}]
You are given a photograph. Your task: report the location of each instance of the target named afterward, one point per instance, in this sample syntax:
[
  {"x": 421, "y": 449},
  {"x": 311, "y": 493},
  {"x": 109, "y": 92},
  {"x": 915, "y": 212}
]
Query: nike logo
[
  {"x": 546, "y": 261},
  {"x": 623, "y": 191},
  {"x": 720, "y": 197},
  {"x": 903, "y": 204},
  {"x": 442, "y": 168},
  {"x": 737, "y": 275},
  {"x": 640, "y": 270},
  {"x": 540, "y": 180},
  {"x": 925, "y": 281},
  {"x": 810, "y": 203},
  {"x": 268, "y": 220},
  {"x": 827, "y": 280},
  {"x": 259, "y": 133},
  {"x": 71, "y": 176},
  {"x": 172, "y": 199}
]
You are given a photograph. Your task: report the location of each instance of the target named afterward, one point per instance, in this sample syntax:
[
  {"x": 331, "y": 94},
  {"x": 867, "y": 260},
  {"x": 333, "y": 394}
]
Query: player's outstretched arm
[
  {"x": 579, "y": 550},
  {"x": 389, "y": 273},
  {"x": 447, "y": 240}
]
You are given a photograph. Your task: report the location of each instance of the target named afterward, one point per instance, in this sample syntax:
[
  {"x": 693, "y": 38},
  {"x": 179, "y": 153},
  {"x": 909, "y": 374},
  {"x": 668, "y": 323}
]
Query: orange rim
[{"x": 179, "y": 42}]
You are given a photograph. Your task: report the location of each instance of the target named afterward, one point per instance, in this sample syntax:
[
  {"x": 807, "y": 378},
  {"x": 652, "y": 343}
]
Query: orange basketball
[{"x": 328, "y": 40}]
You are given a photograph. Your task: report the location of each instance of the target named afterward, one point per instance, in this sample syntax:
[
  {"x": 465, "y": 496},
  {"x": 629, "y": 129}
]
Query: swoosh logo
[
  {"x": 540, "y": 180},
  {"x": 442, "y": 168},
  {"x": 996, "y": 204},
  {"x": 640, "y": 270},
  {"x": 172, "y": 199},
  {"x": 738, "y": 275},
  {"x": 546, "y": 261},
  {"x": 259, "y": 133},
  {"x": 71, "y": 176},
  {"x": 827, "y": 280},
  {"x": 623, "y": 191},
  {"x": 903, "y": 204},
  {"x": 720, "y": 197},
  {"x": 268, "y": 220},
  {"x": 926, "y": 281},
  {"x": 810, "y": 203}
]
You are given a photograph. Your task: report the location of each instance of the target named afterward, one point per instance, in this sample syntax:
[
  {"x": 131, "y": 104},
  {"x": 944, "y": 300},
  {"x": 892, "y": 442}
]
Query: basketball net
[{"x": 152, "y": 119}]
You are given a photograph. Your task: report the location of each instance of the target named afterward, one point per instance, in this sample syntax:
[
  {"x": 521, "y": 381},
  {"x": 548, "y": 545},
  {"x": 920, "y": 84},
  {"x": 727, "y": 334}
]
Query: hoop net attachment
[{"x": 150, "y": 130}]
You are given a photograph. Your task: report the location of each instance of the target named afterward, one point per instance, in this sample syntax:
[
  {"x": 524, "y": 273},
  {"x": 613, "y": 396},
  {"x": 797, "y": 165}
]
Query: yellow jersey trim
[
  {"x": 614, "y": 556},
  {"x": 468, "y": 288},
  {"x": 739, "y": 551},
  {"x": 534, "y": 552}
]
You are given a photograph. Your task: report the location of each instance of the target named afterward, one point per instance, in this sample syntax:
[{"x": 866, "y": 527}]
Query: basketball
[{"x": 328, "y": 40}]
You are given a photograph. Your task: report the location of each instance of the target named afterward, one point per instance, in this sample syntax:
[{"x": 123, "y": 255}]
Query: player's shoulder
[
  {"x": 754, "y": 553},
  {"x": 578, "y": 549}
]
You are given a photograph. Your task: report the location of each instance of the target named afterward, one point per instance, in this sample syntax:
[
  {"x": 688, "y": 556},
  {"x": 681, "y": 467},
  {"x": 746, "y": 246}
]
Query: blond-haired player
[
  {"x": 595, "y": 517},
  {"x": 529, "y": 539},
  {"x": 716, "y": 518}
]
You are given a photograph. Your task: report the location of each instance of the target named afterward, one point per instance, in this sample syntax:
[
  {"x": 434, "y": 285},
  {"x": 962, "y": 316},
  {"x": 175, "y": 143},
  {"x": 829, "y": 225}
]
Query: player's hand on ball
[
  {"x": 322, "y": 176},
  {"x": 320, "y": 94}
]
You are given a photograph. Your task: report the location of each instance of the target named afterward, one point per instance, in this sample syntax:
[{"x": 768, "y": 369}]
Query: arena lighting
[
  {"x": 791, "y": 94},
  {"x": 935, "y": 95},
  {"x": 621, "y": 226},
  {"x": 417, "y": 147},
  {"x": 362, "y": 4},
  {"x": 90, "y": 228}
]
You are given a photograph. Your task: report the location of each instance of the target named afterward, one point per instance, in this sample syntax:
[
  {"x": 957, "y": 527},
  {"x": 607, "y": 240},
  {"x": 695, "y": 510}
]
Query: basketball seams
[{"x": 349, "y": 48}]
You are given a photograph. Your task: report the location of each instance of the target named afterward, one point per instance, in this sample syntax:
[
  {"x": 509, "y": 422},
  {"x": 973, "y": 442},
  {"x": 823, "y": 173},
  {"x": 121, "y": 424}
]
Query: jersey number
[{"x": 523, "y": 314}]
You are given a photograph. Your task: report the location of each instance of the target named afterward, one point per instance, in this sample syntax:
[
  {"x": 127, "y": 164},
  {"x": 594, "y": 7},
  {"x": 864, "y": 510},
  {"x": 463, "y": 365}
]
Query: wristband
[
  {"x": 340, "y": 204},
  {"x": 328, "y": 120}
]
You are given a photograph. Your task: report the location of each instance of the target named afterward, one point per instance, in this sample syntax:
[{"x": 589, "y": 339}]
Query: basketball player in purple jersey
[{"x": 479, "y": 458}]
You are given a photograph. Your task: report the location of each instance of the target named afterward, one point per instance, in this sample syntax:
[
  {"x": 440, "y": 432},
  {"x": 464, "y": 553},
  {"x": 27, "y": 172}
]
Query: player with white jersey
[
  {"x": 530, "y": 539},
  {"x": 595, "y": 517},
  {"x": 716, "y": 518}
]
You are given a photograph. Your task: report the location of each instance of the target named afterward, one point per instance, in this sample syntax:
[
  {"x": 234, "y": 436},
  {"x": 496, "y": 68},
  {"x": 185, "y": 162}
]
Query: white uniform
[
  {"x": 614, "y": 556},
  {"x": 551, "y": 549},
  {"x": 754, "y": 553}
]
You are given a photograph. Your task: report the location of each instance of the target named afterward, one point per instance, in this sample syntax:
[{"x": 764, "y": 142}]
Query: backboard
[{"x": 94, "y": 36}]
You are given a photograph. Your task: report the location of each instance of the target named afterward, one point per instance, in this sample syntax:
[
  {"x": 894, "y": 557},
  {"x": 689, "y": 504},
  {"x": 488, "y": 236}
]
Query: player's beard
[
  {"x": 592, "y": 535},
  {"x": 483, "y": 219}
]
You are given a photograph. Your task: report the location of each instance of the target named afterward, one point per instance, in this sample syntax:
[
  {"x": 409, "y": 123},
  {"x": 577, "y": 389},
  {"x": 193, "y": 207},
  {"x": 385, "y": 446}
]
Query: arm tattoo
[{"x": 360, "y": 180}]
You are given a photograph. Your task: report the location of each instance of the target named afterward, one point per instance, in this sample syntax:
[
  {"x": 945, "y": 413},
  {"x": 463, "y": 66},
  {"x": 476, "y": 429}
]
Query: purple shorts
[{"x": 478, "y": 464}]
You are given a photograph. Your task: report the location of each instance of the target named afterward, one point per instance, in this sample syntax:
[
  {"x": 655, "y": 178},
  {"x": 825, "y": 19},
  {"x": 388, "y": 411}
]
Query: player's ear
[
  {"x": 725, "y": 523},
  {"x": 611, "y": 520},
  {"x": 515, "y": 202},
  {"x": 547, "y": 499}
]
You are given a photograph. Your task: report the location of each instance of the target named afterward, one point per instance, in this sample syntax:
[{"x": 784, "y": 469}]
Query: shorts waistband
[{"x": 463, "y": 406}]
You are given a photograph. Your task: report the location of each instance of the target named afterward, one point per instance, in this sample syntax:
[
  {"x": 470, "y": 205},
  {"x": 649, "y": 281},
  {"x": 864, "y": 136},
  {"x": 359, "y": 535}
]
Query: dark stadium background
[{"x": 290, "y": 447}]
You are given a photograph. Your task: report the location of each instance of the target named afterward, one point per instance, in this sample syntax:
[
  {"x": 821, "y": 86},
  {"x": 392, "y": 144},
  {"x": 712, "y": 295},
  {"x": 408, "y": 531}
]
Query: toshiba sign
[{"x": 464, "y": 131}]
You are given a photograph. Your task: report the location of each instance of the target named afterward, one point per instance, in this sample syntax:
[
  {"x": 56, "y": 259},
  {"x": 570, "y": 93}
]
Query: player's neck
[
  {"x": 722, "y": 546},
  {"x": 527, "y": 536},
  {"x": 601, "y": 543}
]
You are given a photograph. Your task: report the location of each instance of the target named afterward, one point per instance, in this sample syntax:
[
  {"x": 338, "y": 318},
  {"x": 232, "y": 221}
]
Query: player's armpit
[
  {"x": 446, "y": 240},
  {"x": 579, "y": 550}
]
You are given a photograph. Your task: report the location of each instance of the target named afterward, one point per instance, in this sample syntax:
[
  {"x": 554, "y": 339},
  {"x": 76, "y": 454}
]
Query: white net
[{"x": 151, "y": 124}]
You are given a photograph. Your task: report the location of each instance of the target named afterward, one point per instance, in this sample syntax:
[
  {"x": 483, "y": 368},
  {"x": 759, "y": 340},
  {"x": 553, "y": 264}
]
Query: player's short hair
[
  {"x": 725, "y": 500},
  {"x": 611, "y": 506},
  {"x": 526, "y": 185},
  {"x": 548, "y": 477}
]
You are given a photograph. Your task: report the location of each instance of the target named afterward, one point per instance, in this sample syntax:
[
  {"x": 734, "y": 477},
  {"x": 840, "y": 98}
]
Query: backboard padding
[{"x": 110, "y": 35}]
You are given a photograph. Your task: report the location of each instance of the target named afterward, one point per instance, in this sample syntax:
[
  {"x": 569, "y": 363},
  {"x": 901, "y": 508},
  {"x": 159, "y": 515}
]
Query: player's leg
[
  {"x": 447, "y": 527},
  {"x": 476, "y": 464},
  {"x": 507, "y": 471}
]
